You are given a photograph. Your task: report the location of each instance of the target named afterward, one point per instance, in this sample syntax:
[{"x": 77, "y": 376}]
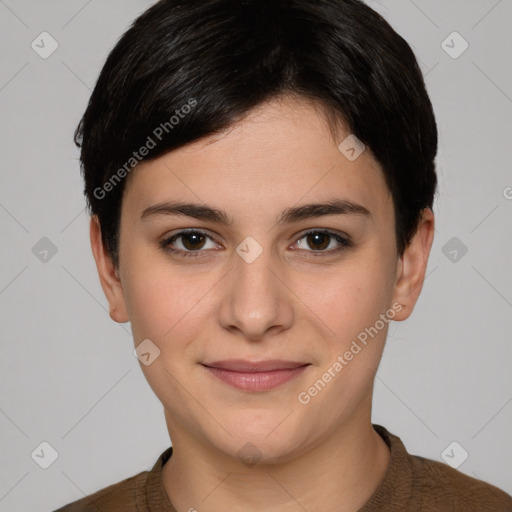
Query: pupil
[
  {"x": 318, "y": 238},
  {"x": 195, "y": 237}
]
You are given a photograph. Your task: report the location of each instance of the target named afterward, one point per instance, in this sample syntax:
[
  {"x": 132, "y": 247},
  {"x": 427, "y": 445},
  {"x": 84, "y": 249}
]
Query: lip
[{"x": 255, "y": 376}]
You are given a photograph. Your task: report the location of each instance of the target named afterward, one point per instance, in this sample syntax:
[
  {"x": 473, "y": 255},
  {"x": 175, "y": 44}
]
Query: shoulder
[
  {"x": 439, "y": 483},
  {"x": 415, "y": 483},
  {"x": 122, "y": 495}
]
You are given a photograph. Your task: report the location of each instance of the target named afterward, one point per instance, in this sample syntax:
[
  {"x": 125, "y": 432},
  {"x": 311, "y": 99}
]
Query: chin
[{"x": 272, "y": 438}]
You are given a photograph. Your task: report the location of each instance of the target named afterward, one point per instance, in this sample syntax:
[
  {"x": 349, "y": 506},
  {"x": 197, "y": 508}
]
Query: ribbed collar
[
  {"x": 155, "y": 496},
  {"x": 395, "y": 490}
]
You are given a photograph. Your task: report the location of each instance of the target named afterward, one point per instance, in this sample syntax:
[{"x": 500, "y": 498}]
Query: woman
[{"x": 260, "y": 177}]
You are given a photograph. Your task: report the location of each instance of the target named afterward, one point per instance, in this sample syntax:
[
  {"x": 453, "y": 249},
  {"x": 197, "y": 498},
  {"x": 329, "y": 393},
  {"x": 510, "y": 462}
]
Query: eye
[
  {"x": 192, "y": 241},
  {"x": 319, "y": 240}
]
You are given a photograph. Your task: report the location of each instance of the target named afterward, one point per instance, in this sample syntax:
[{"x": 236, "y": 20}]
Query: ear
[
  {"x": 412, "y": 266},
  {"x": 109, "y": 279}
]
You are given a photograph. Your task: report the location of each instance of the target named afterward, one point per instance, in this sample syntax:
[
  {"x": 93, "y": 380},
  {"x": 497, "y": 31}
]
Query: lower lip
[{"x": 256, "y": 381}]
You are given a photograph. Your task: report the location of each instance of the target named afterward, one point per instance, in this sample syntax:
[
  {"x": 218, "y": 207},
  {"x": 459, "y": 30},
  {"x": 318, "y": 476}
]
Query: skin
[{"x": 287, "y": 304}]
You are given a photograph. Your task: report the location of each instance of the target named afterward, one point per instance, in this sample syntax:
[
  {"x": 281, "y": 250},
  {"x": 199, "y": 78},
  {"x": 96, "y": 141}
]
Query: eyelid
[
  {"x": 166, "y": 240},
  {"x": 342, "y": 238}
]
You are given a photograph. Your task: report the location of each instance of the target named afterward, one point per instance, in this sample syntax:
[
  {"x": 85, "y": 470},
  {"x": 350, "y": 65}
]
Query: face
[{"x": 270, "y": 314}]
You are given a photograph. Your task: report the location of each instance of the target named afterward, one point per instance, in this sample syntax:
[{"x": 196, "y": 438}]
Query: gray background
[{"x": 68, "y": 375}]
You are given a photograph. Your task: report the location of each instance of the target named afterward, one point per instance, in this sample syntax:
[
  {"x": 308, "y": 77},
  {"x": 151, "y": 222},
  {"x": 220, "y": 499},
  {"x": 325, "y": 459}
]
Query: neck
[{"x": 339, "y": 474}]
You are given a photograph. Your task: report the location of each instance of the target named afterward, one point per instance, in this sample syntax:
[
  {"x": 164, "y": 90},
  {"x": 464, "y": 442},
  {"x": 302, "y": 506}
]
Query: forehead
[{"x": 282, "y": 153}]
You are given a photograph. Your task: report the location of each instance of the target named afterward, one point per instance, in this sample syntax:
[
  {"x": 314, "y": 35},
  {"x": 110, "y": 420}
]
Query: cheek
[
  {"x": 165, "y": 308},
  {"x": 352, "y": 297},
  {"x": 165, "y": 303},
  {"x": 351, "y": 303},
  {"x": 151, "y": 307}
]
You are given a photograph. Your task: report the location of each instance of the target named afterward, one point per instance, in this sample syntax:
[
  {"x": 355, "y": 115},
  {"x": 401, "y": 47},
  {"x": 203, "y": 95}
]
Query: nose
[{"x": 255, "y": 298}]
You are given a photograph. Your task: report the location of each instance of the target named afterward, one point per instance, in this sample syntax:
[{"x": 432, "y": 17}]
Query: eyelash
[{"x": 344, "y": 242}]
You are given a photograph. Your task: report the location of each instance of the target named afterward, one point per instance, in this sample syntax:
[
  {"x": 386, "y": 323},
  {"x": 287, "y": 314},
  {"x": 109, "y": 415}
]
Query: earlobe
[
  {"x": 412, "y": 266},
  {"x": 108, "y": 274}
]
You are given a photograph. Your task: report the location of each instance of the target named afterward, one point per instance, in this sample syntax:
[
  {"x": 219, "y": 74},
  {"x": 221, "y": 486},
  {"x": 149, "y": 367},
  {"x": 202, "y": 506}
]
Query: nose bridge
[{"x": 255, "y": 300}]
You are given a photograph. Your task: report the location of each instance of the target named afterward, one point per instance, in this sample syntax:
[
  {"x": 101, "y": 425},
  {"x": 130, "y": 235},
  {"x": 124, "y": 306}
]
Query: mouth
[{"x": 255, "y": 376}]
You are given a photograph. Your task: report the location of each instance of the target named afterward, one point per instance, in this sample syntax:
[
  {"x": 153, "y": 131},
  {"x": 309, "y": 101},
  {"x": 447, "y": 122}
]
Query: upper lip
[{"x": 240, "y": 365}]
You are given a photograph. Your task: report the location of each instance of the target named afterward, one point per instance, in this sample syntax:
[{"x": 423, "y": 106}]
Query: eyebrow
[{"x": 289, "y": 215}]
